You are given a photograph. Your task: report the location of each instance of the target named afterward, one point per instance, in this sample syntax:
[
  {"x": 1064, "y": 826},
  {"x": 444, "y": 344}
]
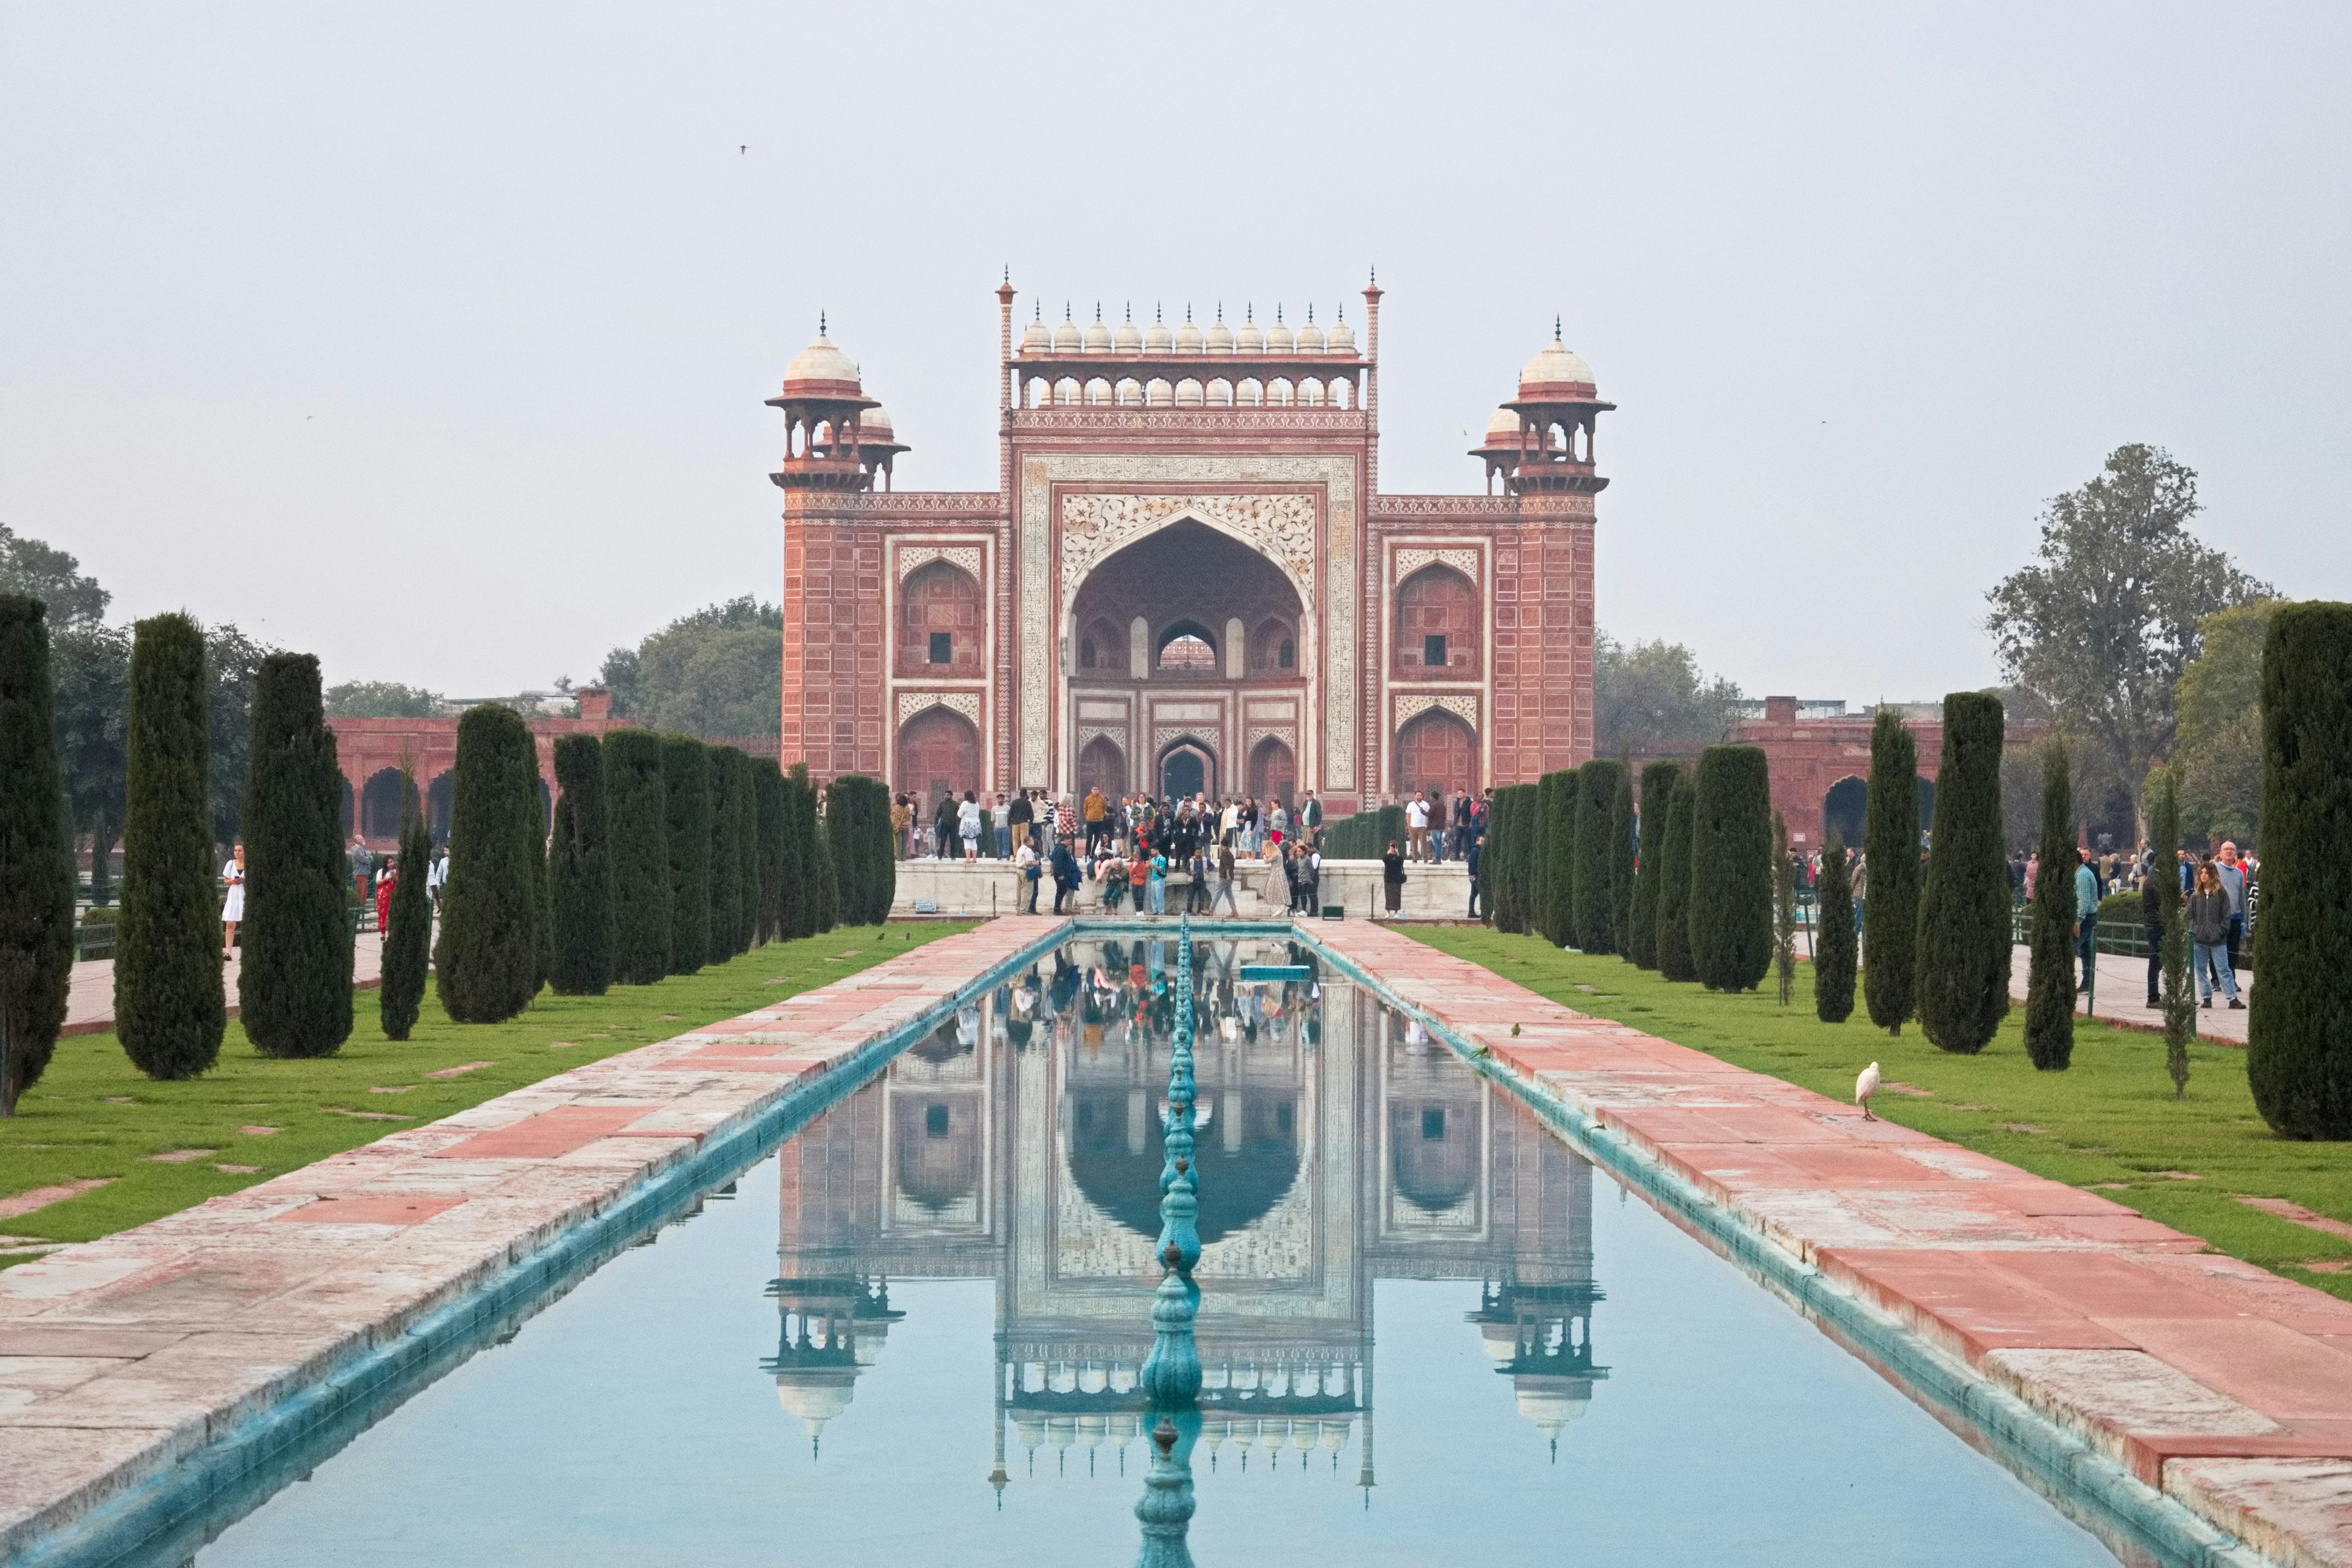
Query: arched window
[
  {"x": 939, "y": 622},
  {"x": 1102, "y": 649},
  {"x": 1186, "y": 649},
  {"x": 1437, "y": 626},
  {"x": 939, "y": 754},
  {"x": 1274, "y": 647}
]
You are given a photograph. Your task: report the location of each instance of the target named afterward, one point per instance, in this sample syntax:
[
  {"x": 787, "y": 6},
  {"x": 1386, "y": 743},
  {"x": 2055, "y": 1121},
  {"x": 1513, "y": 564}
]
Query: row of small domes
[{"x": 1097, "y": 338}]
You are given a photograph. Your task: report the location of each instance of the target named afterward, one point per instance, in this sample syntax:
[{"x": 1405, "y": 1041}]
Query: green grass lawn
[
  {"x": 2108, "y": 1123},
  {"x": 93, "y": 1117}
]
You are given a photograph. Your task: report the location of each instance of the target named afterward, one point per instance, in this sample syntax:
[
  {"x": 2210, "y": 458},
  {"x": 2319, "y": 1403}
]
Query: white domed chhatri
[
  {"x": 1503, "y": 429},
  {"x": 1098, "y": 335},
  {"x": 1343, "y": 338},
  {"x": 820, "y": 363},
  {"x": 1188, "y": 336},
  {"x": 873, "y": 427},
  {"x": 1221, "y": 336},
  {"x": 1278, "y": 339},
  {"x": 1037, "y": 338},
  {"x": 1156, "y": 338},
  {"x": 1558, "y": 371},
  {"x": 1251, "y": 341},
  {"x": 1067, "y": 339},
  {"x": 1310, "y": 336},
  {"x": 1130, "y": 341}
]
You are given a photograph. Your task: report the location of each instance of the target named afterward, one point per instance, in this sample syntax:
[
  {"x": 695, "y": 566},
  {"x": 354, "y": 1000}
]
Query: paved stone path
[
  {"x": 2225, "y": 1385},
  {"x": 90, "y": 996},
  {"x": 2123, "y": 996},
  {"x": 119, "y": 1356}
]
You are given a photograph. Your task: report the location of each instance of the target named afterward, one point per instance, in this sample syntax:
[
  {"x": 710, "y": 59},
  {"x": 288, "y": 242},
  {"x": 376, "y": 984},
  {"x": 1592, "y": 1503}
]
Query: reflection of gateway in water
[{"x": 1337, "y": 1145}]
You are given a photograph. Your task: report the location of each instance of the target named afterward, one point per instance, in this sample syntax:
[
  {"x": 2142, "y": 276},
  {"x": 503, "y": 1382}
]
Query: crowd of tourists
[{"x": 1111, "y": 852}]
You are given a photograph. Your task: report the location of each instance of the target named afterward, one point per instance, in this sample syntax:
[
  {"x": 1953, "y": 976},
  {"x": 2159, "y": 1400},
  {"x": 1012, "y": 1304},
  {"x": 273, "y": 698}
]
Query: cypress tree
[
  {"x": 637, "y": 816},
  {"x": 2178, "y": 995},
  {"x": 408, "y": 944},
  {"x": 170, "y": 1009},
  {"x": 827, "y": 876},
  {"x": 1539, "y": 907},
  {"x": 1567, "y": 794},
  {"x": 1890, "y": 907},
  {"x": 1641, "y": 918},
  {"x": 1731, "y": 869},
  {"x": 768, "y": 803},
  {"x": 797, "y": 902},
  {"x": 2050, "y": 978},
  {"x": 1596, "y": 818},
  {"x": 1964, "y": 920},
  {"x": 37, "y": 854},
  {"x": 1673, "y": 940},
  {"x": 486, "y": 967},
  {"x": 726, "y": 857},
  {"x": 749, "y": 932},
  {"x": 1833, "y": 935},
  {"x": 1623, "y": 847},
  {"x": 1526, "y": 813},
  {"x": 580, "y": 872},
  {"x": 294, "y": 988},
  {"x": 858, "y": 822},
  {"x": 2299, "y": 1040},
  {"x": 1784, "y": 910},
  {"x": 686, "y": 776}
]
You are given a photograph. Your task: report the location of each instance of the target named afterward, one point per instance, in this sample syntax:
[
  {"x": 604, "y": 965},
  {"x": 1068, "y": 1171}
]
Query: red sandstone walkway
[
  {"x": 2123, "y": 989},
  {"x": 118, "y": 1356},
  {"x": 89, "y": 993},
  {"x": 2225, "y": 1385}
]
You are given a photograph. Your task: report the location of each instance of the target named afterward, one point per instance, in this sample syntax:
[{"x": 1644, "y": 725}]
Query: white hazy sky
[{"x": 432, "y": 338}]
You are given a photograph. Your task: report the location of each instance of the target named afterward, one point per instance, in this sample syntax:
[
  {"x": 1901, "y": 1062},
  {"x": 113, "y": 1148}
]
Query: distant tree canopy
[
  {"x": 42, "y": 572},
  {"x": 381, "y": 699},
  {"x": 1650, "y": 698},
  {"x": 2103, "y": 624},
  {"x": 717, "y": 672},
  {"x": 2217, "y": 708}
]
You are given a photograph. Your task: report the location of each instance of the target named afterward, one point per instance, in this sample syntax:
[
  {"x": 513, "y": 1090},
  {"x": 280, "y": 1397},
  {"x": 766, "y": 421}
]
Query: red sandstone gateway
[{"x": 1188, "y": 578}]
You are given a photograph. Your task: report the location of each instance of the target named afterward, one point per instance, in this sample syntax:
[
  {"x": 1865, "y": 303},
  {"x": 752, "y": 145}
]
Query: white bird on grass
[{"x": 1864, "y": 1087}]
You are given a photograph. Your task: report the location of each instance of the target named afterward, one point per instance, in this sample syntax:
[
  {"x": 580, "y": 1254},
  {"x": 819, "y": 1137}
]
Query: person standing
[
  {"x": 1392, "y": 878},
  {"x": 1470, "y": 859},
  {"x": 943, "y": 824},
  {"x": 1310, "y": 818},
  {"x": 2209, "y": 929},
  {"x": 1438, "y": 822},
  {"x": 1416, "y": 826},
  {"x": 1153, "y": 868},
  {"x": 1025, "y": 862},
  {"x": 2233, "y": 876},
  {"x": 387, "y": 880},
  {"x": 2151, "y": 930},
  {"x": 902, "y": 821},
  {"x": 1065, "y": 875},
  {"x": 1224, "y": 879},
  {"x": 1021, "y": 816},
  {"x": 967, "y": 822},
  {"x": 362, "y": 861},
  {"x": 435, "y": 875},
  {"x": 233, "y": 906},
  {"x": 1095, "y": 812},
  {"x": 2086, "y": 916}
]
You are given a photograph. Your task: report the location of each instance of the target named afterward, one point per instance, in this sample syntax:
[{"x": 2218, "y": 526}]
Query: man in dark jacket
[
  {"x": 1065, "y": 874},
  {"x": 1470, "y": 858}
]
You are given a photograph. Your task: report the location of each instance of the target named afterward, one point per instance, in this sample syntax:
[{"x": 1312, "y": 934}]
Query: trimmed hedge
[
  {"x": 2299, "y": 1041},
  {"x": 1890, "y": 905},
  {"x": 170, "y": 1009},
  {"x": 294, "y": 988},
  {"x": 1964, "y": 919},
  {"x": 408, "y": 944},
  {"x": 1596, "y": 816},
  {"x": 636, "y": 810},
  {"x": 1833, "y": 944},
  {"x": 1560, "y": 847},
  {"x": 726, "y": 858},
  {"x": 1642, "y": 920},
  {"x": 797, "y": 902},
  {"x": 686, "y": 776},
  {"x": 1674, "y": 943},
  {"x": 2050, "y": 979},
  {"x": 36, "y": 850},
  {"x": 1365, "y": 836},
  {"x": 858, "y": 827},
  {"x": 1731, "y": 869},
  {"x": 751, "y": 928},
  {"x": 486, "y": 965},
  {"x": 1623, "y": 847},
  {"x": 579, "y": 872},
  {"x": 768, "y": 831}
]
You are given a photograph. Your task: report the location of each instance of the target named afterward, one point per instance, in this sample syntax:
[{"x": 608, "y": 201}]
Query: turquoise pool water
[{"x": 1429, "y": 1329}]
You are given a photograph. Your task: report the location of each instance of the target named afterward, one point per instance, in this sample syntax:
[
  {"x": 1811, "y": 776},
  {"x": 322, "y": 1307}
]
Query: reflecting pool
[{"x": 1428, "y": 1329}]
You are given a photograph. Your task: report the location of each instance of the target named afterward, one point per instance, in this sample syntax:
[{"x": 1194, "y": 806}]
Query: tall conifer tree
[
  {"x": 294, "y": 988},
  {"x": 408, "y": 936},
  {"x": 744, "y": 778},
  {"x": 726, "y": 857},
  {"x": 685, "y": 775},
  {"x": 2299, "y": 1040},
  {"x": 1623, "y": 849},
  {"x": 636, "y": 811},
  {"x": 1731, "y": 869},
  {"x": 488, "y": 965},
  {"x": 1596, "y": 818},
  {"x": 1642, "y": 923},
  {"x": 768, "y": 804},
  {"x": 1964, "y": 920},
  {"x": 797, "y": 902},
  {"x": 1674, "y": 939},
  {"x": 2176, "y": 995},
  {"x": 37, "y": 854},
  {"x": 1833, "y": 935},
  {"x": 170, "y": 1007},
  {"x": 1543, "y": 819},
  {"x": 1567, "y": 797},
  {"x": 2050, "y": 979},
  {"x": 580, "y": 872},
  {"x": 1890, "y": 908}
]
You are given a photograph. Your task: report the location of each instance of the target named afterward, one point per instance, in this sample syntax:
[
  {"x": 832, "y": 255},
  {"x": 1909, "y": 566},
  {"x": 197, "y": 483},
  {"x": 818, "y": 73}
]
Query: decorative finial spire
[
  {"x": 1188, "y": 313},
  {"x": 1221, "y": 312},
  {"x": 1041, "y": 310},
  {"x": 1277, "y": 315},
  {"x": 1066, "y": 314},
  {"x": 1131, "y": 312},
  {"x": 820, "y": 323},
  {"x": 1555, "y": 329},
  {"x": 1249, "y": 314},
  {"x": 1098, "y": 312},
  {"x": 1155, "y": 314},
  {"x": 1008, "y": 272}
]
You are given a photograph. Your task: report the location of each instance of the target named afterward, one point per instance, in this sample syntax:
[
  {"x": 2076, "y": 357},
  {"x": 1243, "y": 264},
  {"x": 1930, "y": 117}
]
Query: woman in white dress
[{"x": 232, "y": 907}]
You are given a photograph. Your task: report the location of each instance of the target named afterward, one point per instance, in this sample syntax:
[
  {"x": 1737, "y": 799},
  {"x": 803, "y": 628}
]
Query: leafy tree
[
  {"x": 1621, "y": 849},
  {"x": 2103, "y": 624},
  {"x": 2220, "y": 724},
  {"x": 1833, "y": 935},
  {"x": 382, "y": 700},
  {"x": 580, "y": 872},
  {"x": 1731, "y": 869},
  {"x": 1784, "y": 910},
  {"x": 2177, "y": 996},
  {"x": 1674, "y": 938},
  {"x": 1890, "y": 908},
  {"x": 488, "y": 966},
  {"x": 2299, "y": 1040},
  {"x": 37, "y": 872},
  {"x": 1652, "y": 697},
  {"x": 170, "y": 1009},
  {"x": 768, "y": 802},
  {"x": 1596, "y": 815},
  {"x": 685, "y": 775},
  {"x": 1964, "y": 922},
  {"x": 1642, "y": 922},
  {"x": 717, "y": 672},
  {"x": 726, "y": 857},
  {"x": 232, "y": 667},
  {"x": 408, "y": 935},
  {"x": 2050, "y": 976},
  {"x": 294, "y": 988},
  {"x": 91, "y": 666},
  {"x": 637, "y": 815},
  {"x": 49, "y": 576}
]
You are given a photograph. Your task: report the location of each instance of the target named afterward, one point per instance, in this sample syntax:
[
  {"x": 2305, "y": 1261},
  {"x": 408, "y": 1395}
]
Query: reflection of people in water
[{"x": 1416, "y": 1039}]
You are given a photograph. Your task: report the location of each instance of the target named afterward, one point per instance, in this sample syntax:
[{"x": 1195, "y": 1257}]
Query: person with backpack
[{"x": 1025, "y": 861}]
